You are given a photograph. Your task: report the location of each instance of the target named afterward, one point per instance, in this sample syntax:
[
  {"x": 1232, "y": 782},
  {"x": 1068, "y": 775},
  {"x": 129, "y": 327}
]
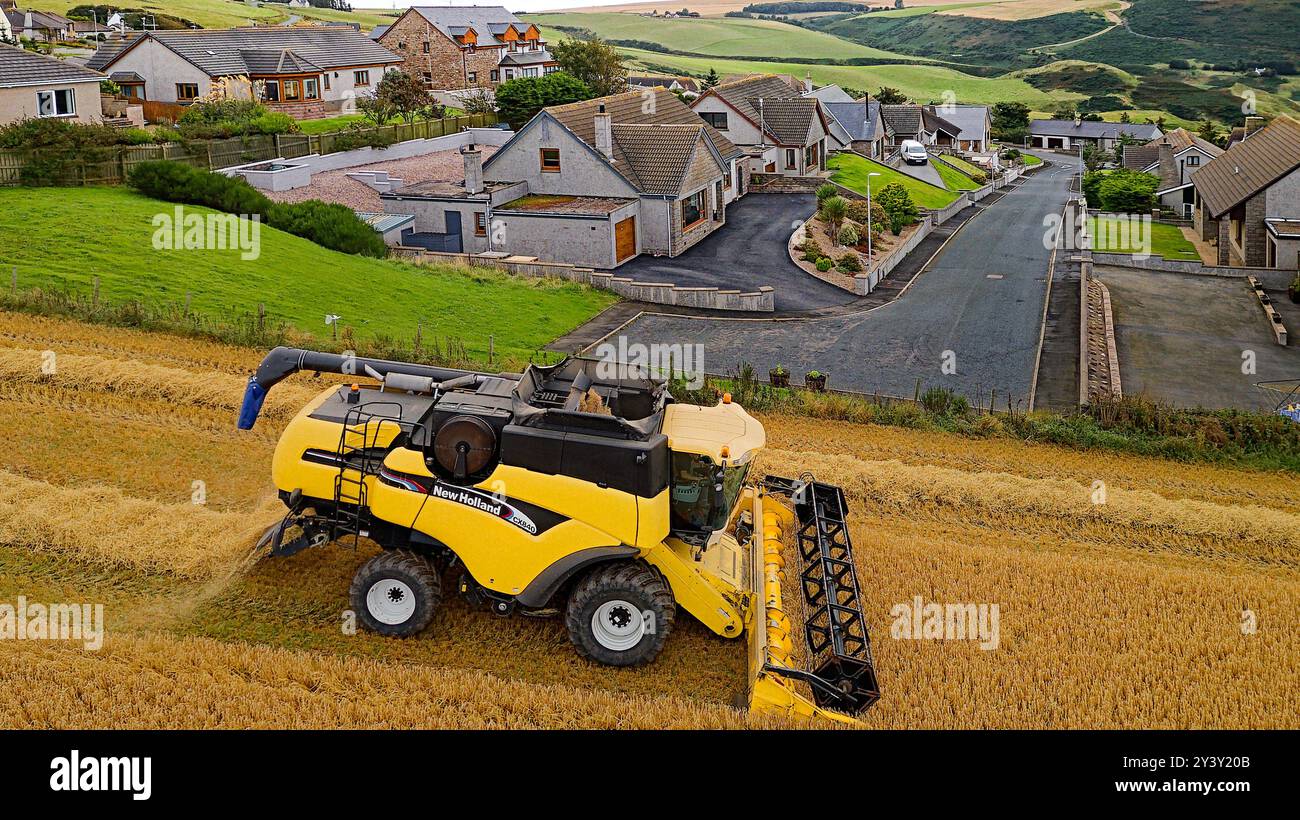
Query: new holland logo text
[{"x": 470, "y": 498}]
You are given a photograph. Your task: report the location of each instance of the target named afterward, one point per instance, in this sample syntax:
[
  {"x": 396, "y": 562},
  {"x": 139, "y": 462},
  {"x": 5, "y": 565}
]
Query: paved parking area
[
  {"x": 1182, "y": 338},
  {"x": 747, "y": 253}
]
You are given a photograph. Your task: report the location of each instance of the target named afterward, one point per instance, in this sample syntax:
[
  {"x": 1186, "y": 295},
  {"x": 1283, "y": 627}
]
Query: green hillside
[
  {"x": 232, "y": 13},
  {"x": 297, "y": 280}
]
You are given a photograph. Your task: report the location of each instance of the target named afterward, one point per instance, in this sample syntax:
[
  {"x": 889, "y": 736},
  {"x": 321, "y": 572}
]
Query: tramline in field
[{"x": 571, "y": 490}]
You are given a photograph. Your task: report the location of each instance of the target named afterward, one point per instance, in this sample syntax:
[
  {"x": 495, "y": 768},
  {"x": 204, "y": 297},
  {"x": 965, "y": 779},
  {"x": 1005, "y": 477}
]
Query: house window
[
  {"x": 361, "y": 77},
  {"x": 428, "y": 77},
  {"x": 495, "y": 76},
  {"x": 530, "y": 72},
  {"x": 425, "y": 46},
  {"x": 187, "y": 91},
  {"x": 514, "y": 46},
  {"x": 551, "y": 160},
  {"x": 693, "y": 209},
  {"x": 510, "y": 73},
  {"x": 310, "y": 89},
  {"x": 480, "y": 223},
  {"x": 1193, "y": 159},
  {"x": 59, "y": 103},
  {"x": 291, "y": 91},
  {"x": 789, "y": 159},
  {"x": 327, "y": 80},
  {"x": 718, "y": 119},
  {"x": 271, "y": 91}
]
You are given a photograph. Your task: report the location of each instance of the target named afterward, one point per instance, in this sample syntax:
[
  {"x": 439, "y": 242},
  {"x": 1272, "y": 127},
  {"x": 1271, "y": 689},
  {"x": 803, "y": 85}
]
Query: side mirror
[{"x": 718, "y": 508}]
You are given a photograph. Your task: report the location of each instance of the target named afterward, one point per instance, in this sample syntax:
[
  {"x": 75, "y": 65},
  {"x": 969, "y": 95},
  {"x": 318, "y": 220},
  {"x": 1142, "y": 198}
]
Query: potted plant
[
  {"x": 779, "y": 376},
  {"x": 1293, "y": 289},
  {"x": 815, "y": 380}
]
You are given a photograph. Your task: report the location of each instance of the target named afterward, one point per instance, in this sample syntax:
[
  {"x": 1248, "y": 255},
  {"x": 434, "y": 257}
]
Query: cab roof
[{"x": 707, "y": 430}]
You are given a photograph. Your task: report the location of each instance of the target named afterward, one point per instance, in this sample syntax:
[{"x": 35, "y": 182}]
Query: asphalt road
[
  {"x": 747, "y": 253},
  {"x": 979, "y": 308},
  {"x": 925, "y": 173}
]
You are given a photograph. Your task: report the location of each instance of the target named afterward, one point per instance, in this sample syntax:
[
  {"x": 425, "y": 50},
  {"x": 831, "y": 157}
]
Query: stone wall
[
  {"x": 761, "y": 301},
  {"x": 442, "y": 66},
  {"x": 1273, "y": 278}
]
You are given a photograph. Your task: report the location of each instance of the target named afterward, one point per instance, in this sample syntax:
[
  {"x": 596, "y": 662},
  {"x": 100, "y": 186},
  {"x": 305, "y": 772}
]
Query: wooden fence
[{"x": 110, "y": 166}]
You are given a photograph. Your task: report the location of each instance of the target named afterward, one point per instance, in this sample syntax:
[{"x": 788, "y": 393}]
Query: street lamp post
[{"x": 871, "y": 255}]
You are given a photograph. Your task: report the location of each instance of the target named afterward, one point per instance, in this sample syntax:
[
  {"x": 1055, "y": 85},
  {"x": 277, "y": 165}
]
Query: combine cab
[{"x": 578, "y": 492}]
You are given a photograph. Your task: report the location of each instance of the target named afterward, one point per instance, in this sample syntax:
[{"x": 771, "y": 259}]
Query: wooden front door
[{"x": 625, "y": 239}]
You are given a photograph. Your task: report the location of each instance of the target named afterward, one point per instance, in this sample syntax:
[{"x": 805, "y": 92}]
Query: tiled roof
[
  {"x": 855, "y": 118},
  {"x": 1139, "y": 157},
  {"x": 1250, "y": 166},
  {"x": 125, "y": 77},
  {"x": 790, "y": 120},
  {"x": 904, "y": 119},
  {"x": 630, "y": 108},
  {"x": 830, "y": 94},
  {"x": 488, "y": 22},
  {"x": 546, "y": 204},
  {"x": 655, "y": 158},
  {"x": 935, "y": 123},
  {"x": 19, "y": 67},
  {"x": 219, "y": 52},
  {"x": 1091, "y": 129},
  {"x": 269, "y": 61},
  {"x": 378, "y": 31}
]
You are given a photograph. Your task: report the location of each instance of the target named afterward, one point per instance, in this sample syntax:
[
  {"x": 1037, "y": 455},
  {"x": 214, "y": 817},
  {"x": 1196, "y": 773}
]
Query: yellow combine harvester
[{"x": 578, "y": 491}]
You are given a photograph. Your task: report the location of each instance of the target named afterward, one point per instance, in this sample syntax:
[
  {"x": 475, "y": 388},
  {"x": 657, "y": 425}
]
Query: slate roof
[
  {"x": 652, "y": 151},
  {"x": 972, "y": 121},
  {"x": 1250, "y": 166},
  {"x": 855, "y": 119},
  {"x": 269, "y": 61},
  {"x": 19, "y": 67},
  {"x": 527, "y": 58},
  {"x": 935, "y": 123},
  {"x": 830, "y": 94},
  {"x": 220, "y": 52},
  {"x": 903, "y": 119},
  {"x": 378, "y": 31},
  {"x": 1090, "y": 129},
  {"x": 786, "y": 116},
  {"x": 488, "y": 22}
]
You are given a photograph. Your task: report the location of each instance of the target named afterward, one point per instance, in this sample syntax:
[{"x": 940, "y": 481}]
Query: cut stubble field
[{"x": 1126, "y": 613}]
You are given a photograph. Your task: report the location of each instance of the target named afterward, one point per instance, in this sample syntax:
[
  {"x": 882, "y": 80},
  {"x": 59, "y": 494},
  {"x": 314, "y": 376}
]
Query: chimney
[
  {"x": 1253, "y": 124},
  {"x": 604, "y": 133},
  {"x": 473, "y": 168},
  {"x": 807, "y": 83},
  {"x": 1078, "y": 120},
  {"x": 1168, "y": 170}
]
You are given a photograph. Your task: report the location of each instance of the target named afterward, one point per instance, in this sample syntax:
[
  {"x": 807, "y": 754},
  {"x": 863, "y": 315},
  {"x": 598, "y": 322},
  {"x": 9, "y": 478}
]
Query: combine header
[{"x": 580, "y": 490}]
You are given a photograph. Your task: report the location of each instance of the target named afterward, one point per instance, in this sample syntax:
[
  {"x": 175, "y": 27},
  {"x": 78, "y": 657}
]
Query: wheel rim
[
  {"x": 617, "y": 625},
  {"x": 390, "y": 601}
]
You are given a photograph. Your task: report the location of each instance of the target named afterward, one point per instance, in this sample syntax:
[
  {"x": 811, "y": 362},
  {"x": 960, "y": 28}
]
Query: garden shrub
[
  {"x": 850, "y": 263},
  {"x": 898, "y": 204},
  {"x": 359, "y": 135},
  {"x": 824, "y": 264},
  {"x": 848, "y": 234}
]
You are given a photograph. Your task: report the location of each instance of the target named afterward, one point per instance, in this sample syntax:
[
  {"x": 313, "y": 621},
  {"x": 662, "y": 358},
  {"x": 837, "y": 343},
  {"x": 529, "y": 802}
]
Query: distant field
[
  {"x": 228, "y": 14},
  {"x": 1028, "y": 9},
  {"x": 919, "y": 82},
  {"x": 726, "y": 37}
]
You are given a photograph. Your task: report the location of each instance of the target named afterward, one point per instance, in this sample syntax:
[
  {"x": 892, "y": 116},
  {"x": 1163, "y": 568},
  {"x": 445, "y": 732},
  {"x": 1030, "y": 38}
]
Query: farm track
[{"x": 1121, "y": 614}]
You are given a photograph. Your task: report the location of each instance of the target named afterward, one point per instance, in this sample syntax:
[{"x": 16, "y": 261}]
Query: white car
[{"x": 914, "y": 153}]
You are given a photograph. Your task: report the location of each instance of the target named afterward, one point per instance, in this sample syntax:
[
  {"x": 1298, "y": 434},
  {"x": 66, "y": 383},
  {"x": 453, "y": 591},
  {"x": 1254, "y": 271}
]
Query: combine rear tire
[
  {"x": 395, "y": 593},
  {"x": 620, "y": 614}
]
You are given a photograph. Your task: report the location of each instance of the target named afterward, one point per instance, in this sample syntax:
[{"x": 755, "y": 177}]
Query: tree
[
  {"x": 1010, "y": 121},
  {"x": 833, "y": 210},
  {"x": 1209, "y": 132},
  {"x": 478, "y": 101},
  {"x": 898, "y": 206},
  {"x": 1091, "y": 117},
  {"x": 890, "y": 96},
  {"x": 1065, "y": 111},
  {"x": 406, "y": 95},
  {"x": 594, "y": 62},
  {"x": 1094, "y": 157},
  {"x": 1124, "y": 117},
  {"x": 1127, "y": 191},
  {"x": 519, "y": 100},
  {"x": 711, "y": 79}
]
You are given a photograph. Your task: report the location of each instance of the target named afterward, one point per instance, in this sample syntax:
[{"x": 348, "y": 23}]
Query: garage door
[{"x": 625, "y": 239}]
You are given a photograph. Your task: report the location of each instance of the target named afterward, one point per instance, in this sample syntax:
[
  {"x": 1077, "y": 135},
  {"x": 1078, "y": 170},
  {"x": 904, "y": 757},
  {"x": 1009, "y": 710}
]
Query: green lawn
[
  {"x": 72, "y": 235},
  {"x": 1030, "y": 159},
  {"x": 954, "y": 180},
  {"x": 331, "y": 124},
  {"x": 1166, "y": 240},
  {"x": 850, "y": 170},
  {"x": 726, "y": 36},
  {"x": 923, "y": 83},
  {"x": 967, "y": 167}
]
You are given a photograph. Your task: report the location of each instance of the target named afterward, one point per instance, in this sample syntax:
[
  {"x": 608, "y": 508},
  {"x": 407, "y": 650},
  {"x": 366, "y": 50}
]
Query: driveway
[
  {"x": 747, "y": 253},
  {"x": 925, "y": 173},
  {"x": 977, "y": 311},
  {"x": 1184, "y": 339}
]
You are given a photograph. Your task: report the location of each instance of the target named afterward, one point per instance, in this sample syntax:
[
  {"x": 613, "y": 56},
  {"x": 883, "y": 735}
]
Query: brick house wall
[{"x": 442, "y": 66}]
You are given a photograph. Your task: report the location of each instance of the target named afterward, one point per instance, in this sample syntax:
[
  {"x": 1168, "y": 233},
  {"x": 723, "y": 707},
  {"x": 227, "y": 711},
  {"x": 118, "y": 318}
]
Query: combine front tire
[
  {"x": 620, "y": 614},
  {"x": 395, "y": 593}
]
